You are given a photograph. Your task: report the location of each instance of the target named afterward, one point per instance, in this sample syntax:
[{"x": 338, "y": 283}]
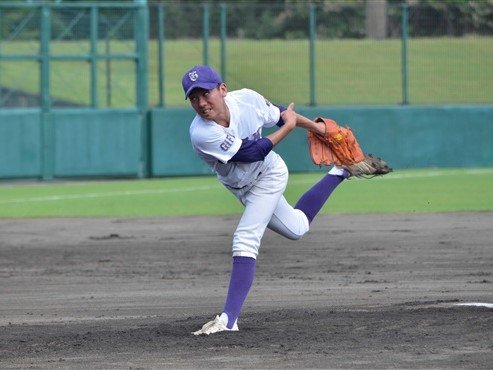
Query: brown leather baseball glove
[{"x": 339, "y": 146}]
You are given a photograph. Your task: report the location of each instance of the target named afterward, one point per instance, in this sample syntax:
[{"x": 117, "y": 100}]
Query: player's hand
[{"x": 289, "y": 117}]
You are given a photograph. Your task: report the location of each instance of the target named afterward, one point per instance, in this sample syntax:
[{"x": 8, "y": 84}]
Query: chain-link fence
[
  {"x": 335, "y": 53},
  {"x": 82, "y": 55},
  {"x": 312, "y": 53}
]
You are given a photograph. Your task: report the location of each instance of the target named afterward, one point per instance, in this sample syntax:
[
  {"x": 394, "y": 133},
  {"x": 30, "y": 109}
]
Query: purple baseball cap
[{"x": 203, "y": 77}]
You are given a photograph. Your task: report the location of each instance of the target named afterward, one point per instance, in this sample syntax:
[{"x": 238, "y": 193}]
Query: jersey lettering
[{"x": 226, "y": 144}]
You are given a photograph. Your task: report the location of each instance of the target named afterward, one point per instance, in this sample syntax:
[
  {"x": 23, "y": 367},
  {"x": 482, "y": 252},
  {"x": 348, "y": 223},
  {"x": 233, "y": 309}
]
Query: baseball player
[{"x": 226, "y": 133}]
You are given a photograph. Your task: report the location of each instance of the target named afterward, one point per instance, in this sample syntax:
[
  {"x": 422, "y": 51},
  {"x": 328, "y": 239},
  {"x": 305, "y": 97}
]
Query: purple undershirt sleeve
[
  {"x": 282, "y": 108},
  {"x": 252, "y": 150}
]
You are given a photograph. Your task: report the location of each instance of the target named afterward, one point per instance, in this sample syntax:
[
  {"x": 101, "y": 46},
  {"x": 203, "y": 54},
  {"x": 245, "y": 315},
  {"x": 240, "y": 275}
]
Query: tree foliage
[{"x": 258, "y": 19}]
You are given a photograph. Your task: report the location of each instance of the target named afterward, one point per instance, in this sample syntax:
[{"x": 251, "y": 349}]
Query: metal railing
[{"x": 71, "y": 43}]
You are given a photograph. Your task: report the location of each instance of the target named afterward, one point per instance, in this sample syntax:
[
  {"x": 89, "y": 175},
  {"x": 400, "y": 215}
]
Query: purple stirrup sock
[
  {"x": 313, "y": 200},
  {"x": 241, "y": 280}
]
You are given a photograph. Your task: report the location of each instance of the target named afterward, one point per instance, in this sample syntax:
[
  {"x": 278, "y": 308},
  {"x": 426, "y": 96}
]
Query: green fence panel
[
  {"x": 97, "y": 143},
  {"x": 172, "y": 153},
  {"x": 408, "y": 136},
  {"x": 108, "y": 142},
  {"x": 20, "y": 144}
]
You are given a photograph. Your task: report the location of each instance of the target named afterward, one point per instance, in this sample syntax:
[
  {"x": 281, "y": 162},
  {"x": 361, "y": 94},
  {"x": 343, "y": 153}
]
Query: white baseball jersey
[
  {"x": 258, "y": 185},
  {"x": 216, "y": 145}
]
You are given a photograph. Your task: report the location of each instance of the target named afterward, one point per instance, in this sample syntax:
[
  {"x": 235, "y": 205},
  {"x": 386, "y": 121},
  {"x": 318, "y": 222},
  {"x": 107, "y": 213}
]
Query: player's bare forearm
[
  {"x": 308, "y": 124},
  {"x": 289, "y": 117},
  {"x": 277, "y": 136}
]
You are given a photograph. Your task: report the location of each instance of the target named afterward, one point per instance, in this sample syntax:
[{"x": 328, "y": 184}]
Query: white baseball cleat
[{"x": 215, "y": 326}]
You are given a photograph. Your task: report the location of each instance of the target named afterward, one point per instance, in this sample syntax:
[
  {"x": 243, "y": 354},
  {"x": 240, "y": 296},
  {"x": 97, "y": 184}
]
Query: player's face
[{"x": 209, "y": 104}]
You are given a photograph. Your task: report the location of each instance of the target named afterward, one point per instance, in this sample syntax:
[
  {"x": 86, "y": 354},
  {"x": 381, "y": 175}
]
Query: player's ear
[{"x": 223, "y": 89}]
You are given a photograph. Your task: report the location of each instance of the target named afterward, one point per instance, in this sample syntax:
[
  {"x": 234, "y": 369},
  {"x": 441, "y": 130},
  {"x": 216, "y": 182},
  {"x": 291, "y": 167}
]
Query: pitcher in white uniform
[{"x": 226, "y": 133}]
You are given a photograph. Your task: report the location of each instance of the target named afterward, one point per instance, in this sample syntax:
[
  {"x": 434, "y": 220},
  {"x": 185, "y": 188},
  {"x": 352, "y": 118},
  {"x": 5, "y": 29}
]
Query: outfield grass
[
  {"x": 441, "y": 70},
  {"x": 415, "y": 191}
]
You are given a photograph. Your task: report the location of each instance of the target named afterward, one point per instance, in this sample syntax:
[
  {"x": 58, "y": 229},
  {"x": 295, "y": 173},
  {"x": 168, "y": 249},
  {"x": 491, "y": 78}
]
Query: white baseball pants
[{"x": 265, "y": 206}]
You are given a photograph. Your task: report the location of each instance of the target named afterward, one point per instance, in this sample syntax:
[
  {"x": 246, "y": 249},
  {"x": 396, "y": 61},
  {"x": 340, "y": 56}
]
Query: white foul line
[
  {"x": 52, "y": 198},
  {"x": 476, "y": 304}
]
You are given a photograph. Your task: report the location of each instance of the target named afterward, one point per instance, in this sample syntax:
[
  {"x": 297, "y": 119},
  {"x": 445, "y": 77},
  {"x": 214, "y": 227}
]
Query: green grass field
[
  {"x": 410, "y": 191},
  {"x": 441, "y": 70}
]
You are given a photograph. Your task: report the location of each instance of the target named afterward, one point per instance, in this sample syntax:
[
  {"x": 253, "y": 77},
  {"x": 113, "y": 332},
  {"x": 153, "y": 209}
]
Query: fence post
[
  {"x": 405, "y": 72},
  {"x": 107, "y": 64},
  {"x": 94, "y": 56},
  {"x": 141, "y": 70},
  {"x": 205, "y": 33},
  {"x": 312, "y": 32},
  {"x": 47, "y": 129},
  {"x": 223, "y": 41},
  {"x": 1, "y": 38},
  {"x": 45, "y": 57},
  {"x": 160, "y": 43}
]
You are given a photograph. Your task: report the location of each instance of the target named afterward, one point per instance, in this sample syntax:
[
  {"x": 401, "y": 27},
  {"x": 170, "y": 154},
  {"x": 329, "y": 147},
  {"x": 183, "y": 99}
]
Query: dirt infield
[{"x": 359, "y": 291}]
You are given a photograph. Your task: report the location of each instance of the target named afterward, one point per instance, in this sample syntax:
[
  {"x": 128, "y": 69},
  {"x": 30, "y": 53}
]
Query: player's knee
[{"x": 294, "y": 236}]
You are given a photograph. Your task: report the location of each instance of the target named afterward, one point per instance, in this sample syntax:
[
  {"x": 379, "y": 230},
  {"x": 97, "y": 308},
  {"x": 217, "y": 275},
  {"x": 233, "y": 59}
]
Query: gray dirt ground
[{"x": 359, "y": 291}]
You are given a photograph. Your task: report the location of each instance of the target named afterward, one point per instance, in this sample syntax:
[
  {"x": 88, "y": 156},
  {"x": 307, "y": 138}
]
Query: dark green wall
[
  {"x": 70, "y": 143},
  {"x": 171, "y": 151},
  {"x": 424, "y": 136},
  {"x": 20, "y": 143},
  {"x": 97, "y": 143},
  {"x": 408, "y": 137},
  {"x": 110, "y": 143}
]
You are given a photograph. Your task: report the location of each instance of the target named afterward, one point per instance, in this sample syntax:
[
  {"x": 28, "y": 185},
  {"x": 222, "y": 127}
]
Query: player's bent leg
[
  {"x": 294, "y": 222},
  {"x": 312, "y": 201},
  {"x": 261, "y": 202},
  {"x": 288, "y": 221}
]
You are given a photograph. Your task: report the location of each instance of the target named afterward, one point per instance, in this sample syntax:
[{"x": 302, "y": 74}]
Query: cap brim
[{"x": 200, "y": 85}]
